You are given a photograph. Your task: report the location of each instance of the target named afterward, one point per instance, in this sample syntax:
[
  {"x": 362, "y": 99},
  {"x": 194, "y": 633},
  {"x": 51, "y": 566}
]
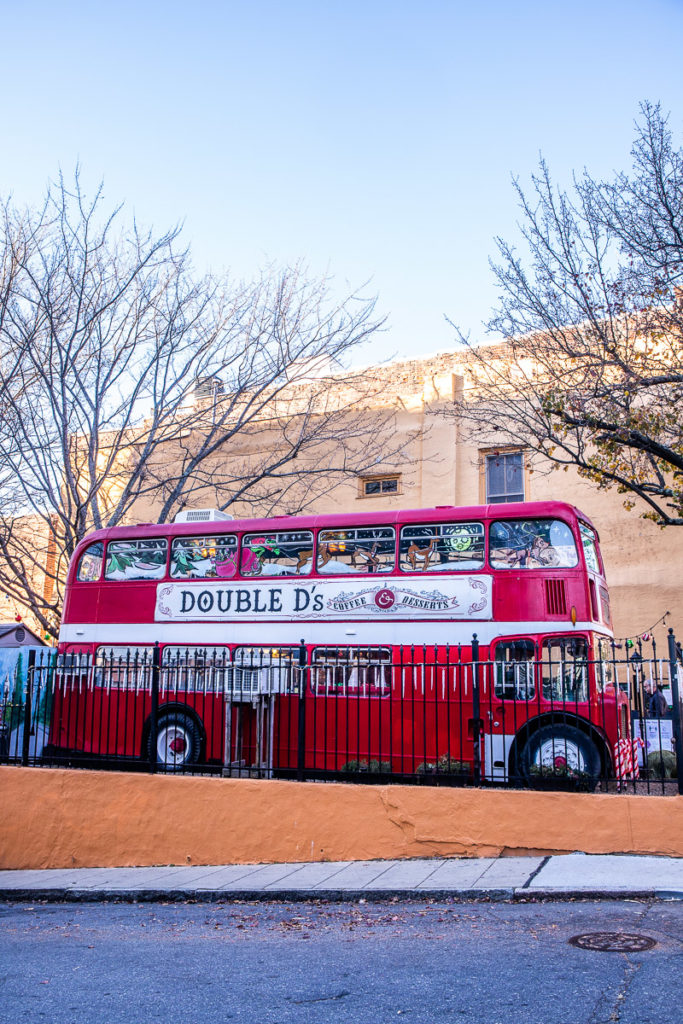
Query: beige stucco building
[
  {"x": 644, "y": 563},
  {"x": 442, "y": 466}
]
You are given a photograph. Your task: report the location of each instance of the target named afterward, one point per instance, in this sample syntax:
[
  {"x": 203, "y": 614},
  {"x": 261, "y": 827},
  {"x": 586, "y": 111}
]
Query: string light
[{"x": 629, "y": 641}]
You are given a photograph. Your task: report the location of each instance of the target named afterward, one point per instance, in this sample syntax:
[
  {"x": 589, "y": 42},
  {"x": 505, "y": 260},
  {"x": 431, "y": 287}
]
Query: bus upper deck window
[
  {"x": 136, "y": 559},
  {"x": 283, "y": 553},
  {"x": 90, "y": 563},
  {"x": 442, "y": 547},
  {"x": 532, "y": 544},
  {"x": 590, "y": 547},
  {"x": 204, "y": 557},
  {"x": 366, "y": 549}
]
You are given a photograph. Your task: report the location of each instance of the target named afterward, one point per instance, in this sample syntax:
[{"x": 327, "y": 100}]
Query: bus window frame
[
  {"x": 586, "y": 664},
  {"x": 166, "y": 538},
  {"x": 345, "y": 691},
  {"x": 541, "y": 642},
  {"x": 320, "y": 570},
  {"x": 578, "y": 545},
  {"x": 435, "y": 524},
  {"x": 208, "y": 672},
  {"x": 79, "y": 561},
  {"x": 179, "y": 539},
  {"x": 601, "y": 565},
  {"x": 508, "y": 641},
  {"x": 141, "y": 667}
]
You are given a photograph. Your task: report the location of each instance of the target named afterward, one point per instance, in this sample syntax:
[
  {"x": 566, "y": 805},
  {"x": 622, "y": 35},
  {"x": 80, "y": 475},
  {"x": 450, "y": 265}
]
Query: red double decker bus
[{"x": 470, "y": 641}]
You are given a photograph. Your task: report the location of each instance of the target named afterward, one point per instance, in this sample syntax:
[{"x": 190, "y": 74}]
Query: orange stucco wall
[{"x": 56, "y": 819}]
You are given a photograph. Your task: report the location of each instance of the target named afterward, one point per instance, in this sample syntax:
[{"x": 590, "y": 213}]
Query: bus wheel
[
  {"x": 178, "y": 741},
  {"x": 560, "y": 752}
]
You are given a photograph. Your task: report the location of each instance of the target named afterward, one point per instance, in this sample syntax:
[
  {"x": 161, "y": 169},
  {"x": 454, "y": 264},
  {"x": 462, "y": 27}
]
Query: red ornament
[{"x": 17, "y": 618}]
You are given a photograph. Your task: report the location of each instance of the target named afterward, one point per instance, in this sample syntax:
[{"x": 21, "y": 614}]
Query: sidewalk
[{"x": 504, "y": 878}]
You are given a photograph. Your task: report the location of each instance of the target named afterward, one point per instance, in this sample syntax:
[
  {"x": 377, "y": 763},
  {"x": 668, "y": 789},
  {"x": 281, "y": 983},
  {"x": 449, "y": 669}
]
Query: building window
[
  {"x": 504, "y": 477},
  {"x": 371, "y": 486}
]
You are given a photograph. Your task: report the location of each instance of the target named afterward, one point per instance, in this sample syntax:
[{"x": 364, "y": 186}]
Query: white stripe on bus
[{"x": 329, "y": 634}]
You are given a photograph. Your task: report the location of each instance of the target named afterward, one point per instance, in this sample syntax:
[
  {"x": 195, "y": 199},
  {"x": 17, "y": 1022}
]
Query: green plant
[
  {"x": 373, "y": 766},
  {"x": 661, "y": 764},
  {"x": 444, "y": 765},
  {"x": 581, "y": 780}
]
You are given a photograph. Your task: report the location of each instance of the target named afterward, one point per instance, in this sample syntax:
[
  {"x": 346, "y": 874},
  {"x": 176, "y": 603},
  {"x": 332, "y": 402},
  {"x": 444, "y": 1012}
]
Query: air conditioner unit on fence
[
  {"x": 241, "y": 684},
  {"x": 251, "y": 683},
  {"x": 201, "y": 515}
]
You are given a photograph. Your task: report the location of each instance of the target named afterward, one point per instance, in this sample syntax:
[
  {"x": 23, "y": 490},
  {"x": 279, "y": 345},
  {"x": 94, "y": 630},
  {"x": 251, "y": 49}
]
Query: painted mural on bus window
[
  {"x": 136, "y": 559},
  {"x": 286, "y": 553},
  {"x": 204, "y": 557},
  {"x": 532, "y": 544},
  {"x": 368, "y": 549},
  {"x": 442, "y": 547},
  {"x": 90, "y": 563},
  {"x": 590, "y": 547}
]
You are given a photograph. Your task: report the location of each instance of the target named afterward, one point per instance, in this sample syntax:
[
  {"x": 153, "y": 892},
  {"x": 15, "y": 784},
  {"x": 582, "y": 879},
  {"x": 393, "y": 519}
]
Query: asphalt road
[{"x": 484, "y": 963}]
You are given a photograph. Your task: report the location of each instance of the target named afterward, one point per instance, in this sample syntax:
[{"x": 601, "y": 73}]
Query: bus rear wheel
[
  {"x": 560, "y": 752},
  {"x": 178, "y": 741}
]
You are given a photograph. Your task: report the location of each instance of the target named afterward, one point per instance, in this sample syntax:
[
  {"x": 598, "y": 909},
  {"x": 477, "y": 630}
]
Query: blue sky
[{"x": 372, "y": 140}]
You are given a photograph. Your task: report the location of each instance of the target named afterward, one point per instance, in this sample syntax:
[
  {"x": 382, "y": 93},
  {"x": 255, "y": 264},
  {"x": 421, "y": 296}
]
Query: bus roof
[{"x": 508, "y": 510}]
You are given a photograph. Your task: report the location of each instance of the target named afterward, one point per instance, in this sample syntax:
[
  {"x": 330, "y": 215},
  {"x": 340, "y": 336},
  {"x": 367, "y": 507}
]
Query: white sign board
[
  {"x": 462, "y": 597},
  {"x": 656, "y": 734}
]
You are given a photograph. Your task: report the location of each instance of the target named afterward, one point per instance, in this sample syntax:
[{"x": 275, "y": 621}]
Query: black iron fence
[{"x": 546, "y": 717}]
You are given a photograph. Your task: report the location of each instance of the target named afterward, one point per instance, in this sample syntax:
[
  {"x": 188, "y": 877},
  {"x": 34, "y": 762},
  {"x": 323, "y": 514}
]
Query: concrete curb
[{"x": 505, "y": 895}]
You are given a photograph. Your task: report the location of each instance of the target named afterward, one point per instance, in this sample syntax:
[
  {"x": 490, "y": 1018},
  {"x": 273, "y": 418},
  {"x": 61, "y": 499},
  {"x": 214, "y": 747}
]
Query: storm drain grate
[{"x": 613, "y": 942}]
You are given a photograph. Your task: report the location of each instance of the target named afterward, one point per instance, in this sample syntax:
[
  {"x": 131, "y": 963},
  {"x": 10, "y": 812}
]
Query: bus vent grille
[{"x": 555, "y": 597}]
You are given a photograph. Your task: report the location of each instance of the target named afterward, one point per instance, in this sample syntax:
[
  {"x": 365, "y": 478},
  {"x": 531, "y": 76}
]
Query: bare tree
[
  {"x": 591, "y": 371},
  {"x": 131, "y": 388}
]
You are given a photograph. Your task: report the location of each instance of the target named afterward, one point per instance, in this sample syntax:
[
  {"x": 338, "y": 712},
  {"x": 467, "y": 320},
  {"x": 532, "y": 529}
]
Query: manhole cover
[{"x": 613, "y": 942}]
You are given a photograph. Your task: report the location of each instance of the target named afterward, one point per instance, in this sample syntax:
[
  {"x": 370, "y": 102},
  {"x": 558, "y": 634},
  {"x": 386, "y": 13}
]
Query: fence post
[
  {"x": 676, "y": 709},
  {"x": 154, "y": 713},
  {"x": 26, "y": 739},
  {"x": 476, "y": 711},
  {"x": 303, "y": 682}
]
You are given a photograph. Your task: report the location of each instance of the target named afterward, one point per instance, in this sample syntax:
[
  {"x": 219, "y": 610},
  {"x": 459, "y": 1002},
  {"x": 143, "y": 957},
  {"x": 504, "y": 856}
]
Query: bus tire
[
  {"x": 557, "y": 749},
  {"x": 179, "y": 741}
]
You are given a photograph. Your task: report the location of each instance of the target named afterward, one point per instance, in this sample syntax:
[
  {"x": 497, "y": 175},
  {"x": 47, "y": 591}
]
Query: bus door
[
  {"x": 509, "y": 700},
  {"x": 541, "y": 704}
]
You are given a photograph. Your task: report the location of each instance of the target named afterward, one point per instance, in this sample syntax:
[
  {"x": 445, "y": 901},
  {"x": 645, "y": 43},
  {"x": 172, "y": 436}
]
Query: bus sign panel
[{"x": 465, "y": 597}]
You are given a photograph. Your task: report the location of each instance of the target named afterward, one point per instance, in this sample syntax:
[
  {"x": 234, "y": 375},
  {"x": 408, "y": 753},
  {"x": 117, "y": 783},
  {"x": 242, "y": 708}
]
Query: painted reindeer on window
[
  {"x": 415, "y": 553},
  {"x": 369, "y": 557}
]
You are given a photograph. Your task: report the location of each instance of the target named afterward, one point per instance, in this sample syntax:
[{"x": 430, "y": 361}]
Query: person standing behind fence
[{"x": 657, "y": 706}]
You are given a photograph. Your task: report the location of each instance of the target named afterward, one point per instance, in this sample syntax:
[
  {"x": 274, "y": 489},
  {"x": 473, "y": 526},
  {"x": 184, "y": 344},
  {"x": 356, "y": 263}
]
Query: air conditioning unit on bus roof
[{"x": 201, "y": 515}]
